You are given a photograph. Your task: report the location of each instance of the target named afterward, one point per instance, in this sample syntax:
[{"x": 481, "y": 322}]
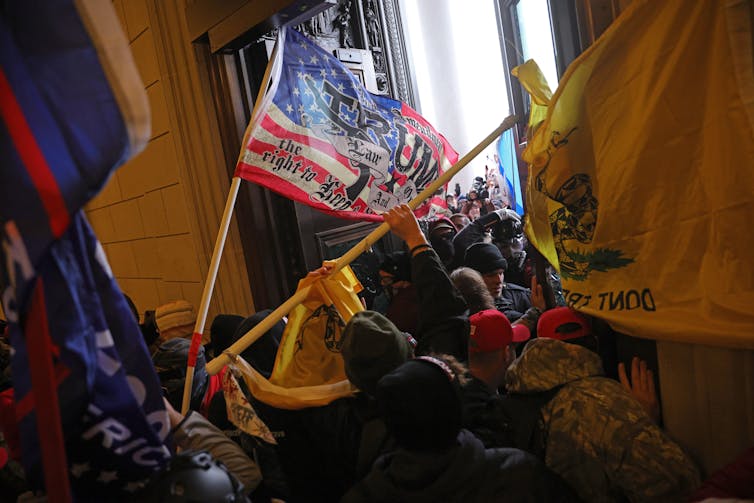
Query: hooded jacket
[
  {"x": 599, "y": 439},
  {"x": 466, "y": 472}
]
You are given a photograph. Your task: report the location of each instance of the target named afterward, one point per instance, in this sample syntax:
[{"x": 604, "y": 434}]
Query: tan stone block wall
[
  {"x": 141, "y": 216},
  {"x": 708, "y": 400}
]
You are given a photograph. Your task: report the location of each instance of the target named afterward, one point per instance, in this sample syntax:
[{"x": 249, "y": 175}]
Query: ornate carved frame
[
  {"x": 374, "y": 25},
  {"x": 392, "y": 29}
]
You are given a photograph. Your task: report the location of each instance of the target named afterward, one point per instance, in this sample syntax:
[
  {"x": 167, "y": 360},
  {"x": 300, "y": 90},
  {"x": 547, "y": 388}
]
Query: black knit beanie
[
  {"x": 484, "y": 257},
  {"x": 398, "y": 264},
  {"x": 222, "y": 332},
  {"x": 421, "y": 404},
  {"x": 263, "y": 351}
]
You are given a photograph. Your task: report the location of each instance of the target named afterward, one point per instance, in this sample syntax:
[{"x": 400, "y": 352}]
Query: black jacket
[
  {"x": 466, "y": 472},
  {"x": 443, "y": 315},
  {"x": 511, "y": 420},
  {"x": 318, "y": 446},
  {"x": 472, "y": 233},
  {"x": 514, "y": 301},
  {"x": 483, "y": 415}
]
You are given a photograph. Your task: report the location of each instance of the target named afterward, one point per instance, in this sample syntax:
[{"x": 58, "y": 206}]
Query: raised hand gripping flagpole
[{"x": 214, "y": 366}]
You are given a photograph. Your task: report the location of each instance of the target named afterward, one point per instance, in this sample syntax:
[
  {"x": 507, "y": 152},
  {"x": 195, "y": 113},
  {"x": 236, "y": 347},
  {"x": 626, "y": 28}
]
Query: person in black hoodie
[
  {"x": 436, "y": 459},
  {"x": 443, "y": 325}
]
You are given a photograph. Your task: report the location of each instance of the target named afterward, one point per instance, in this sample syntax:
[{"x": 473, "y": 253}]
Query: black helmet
[{"x": 193, "y": 476}]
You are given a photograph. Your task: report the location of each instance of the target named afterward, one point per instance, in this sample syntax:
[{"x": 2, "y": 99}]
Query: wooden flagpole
[
  {"x": 209, "y": 285},
  {"x": 252, "y": 335},
  {"x": 222, "y": 234}
]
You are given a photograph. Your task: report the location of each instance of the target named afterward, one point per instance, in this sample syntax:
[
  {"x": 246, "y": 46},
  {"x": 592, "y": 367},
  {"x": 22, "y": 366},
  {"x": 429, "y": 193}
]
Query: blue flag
[
  {"x": 112, "y": 411},
  {"x": 72, "y": 111},
  {"x": 508, "y": 166},
  {"x": 72, "y": 108}
]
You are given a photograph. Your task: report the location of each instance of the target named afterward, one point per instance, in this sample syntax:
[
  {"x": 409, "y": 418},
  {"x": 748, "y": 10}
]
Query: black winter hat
[
  {"x": 484, "y": 257},
  {"x": 421, "y": 404},
  {"x": 398, "y": 264},
  {"x": 222, "y": 332},
  {"x": 372, "y": 347},
  {"x": 263, "y": 351}
]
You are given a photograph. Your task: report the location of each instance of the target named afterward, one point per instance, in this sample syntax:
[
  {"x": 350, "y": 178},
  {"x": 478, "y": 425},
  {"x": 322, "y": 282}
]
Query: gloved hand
[
  {"x": 497, "y": 216},
  {"x": 507, "y": 214}
]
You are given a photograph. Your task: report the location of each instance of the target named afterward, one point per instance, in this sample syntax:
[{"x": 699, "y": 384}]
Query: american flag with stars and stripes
[{"x": 320, "y": 138}]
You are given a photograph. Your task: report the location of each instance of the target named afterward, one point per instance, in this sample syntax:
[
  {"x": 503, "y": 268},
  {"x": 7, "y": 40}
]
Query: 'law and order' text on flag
[{"x": 321, "y": 138}]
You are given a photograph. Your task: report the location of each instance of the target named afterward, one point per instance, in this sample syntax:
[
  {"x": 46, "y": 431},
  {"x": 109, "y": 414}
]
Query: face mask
[{"x": 444, "y": 249}]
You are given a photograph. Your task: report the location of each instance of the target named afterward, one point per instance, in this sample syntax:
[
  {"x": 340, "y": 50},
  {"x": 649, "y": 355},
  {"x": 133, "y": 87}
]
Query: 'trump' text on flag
[{"x": 321, "y": 138}]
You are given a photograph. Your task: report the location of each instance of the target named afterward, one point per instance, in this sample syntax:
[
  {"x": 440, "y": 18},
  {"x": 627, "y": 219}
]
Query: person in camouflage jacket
[{"x": 598, "y": 437}]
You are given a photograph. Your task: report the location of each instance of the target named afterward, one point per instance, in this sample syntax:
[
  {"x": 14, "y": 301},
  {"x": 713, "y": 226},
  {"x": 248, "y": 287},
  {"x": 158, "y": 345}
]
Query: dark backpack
[
  {"x": 524, "y": 424},
  {"x": 511, "y": 420}
]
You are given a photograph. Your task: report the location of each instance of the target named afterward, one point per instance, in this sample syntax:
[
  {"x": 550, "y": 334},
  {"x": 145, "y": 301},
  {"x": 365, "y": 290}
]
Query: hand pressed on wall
[{"x": 641, "y": 386}]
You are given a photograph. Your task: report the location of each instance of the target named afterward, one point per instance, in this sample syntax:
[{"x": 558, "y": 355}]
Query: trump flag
[
  {"x": 319, "y": 137},
  {"x": 91, "y": 418},
  {"x": 640, "y": 182}
]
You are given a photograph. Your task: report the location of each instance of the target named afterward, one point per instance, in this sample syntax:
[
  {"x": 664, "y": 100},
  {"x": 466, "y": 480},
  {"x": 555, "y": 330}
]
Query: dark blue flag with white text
[
  {"x": 113, "y": 417},
  {"x": 72, "y": 108}
]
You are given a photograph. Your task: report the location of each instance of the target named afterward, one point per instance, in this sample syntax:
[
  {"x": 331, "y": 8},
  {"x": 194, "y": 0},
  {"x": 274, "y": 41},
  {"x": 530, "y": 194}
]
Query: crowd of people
[
  {"x": 484, "y": 195},
  {"x": 470, "y": 387}
]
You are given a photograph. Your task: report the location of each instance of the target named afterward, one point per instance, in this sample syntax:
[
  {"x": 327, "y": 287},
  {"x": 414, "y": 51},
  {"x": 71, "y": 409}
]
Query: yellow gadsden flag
[
  {"x": 641, "y": 181},
  {"x": 309, "y": 370},
  {"x": 309, "y": 352}
]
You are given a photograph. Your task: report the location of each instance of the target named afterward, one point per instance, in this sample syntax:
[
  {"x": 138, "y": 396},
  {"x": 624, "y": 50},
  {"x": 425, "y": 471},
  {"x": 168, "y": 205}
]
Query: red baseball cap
[
  {"x": 490, "y": 330},
  {"x": 563, "y": 323}
]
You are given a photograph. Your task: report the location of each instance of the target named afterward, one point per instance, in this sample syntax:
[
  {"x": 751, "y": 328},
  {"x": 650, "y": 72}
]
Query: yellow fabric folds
[
  {"x": 641, "y": 181},
  {"x": 309, "y": 352},
  {"x": 308, "y": 369},
  {"x": 533, "y": 80},
  {"x": 289, "y": 398}
]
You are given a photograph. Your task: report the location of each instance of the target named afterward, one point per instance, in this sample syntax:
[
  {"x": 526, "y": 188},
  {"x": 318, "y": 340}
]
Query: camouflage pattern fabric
[{"x": 599, "y": 439}]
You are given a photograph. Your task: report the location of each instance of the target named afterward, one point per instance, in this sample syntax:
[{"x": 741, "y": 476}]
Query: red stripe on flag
[
  {"x": 281, "y": 132},
  {"x": 314, "y": 143},
  {"x": 280, "y": 128},
  {"x": 260, "y": 147},
  {"x": 33, "y": 158},
  {"x": 277, "y": 182},
  {"x": 49, "y": 427},
  {"x": 290, "y": 189},
  {"x": 196, "y": 341},
  {"x": 26, "y": 404}
]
